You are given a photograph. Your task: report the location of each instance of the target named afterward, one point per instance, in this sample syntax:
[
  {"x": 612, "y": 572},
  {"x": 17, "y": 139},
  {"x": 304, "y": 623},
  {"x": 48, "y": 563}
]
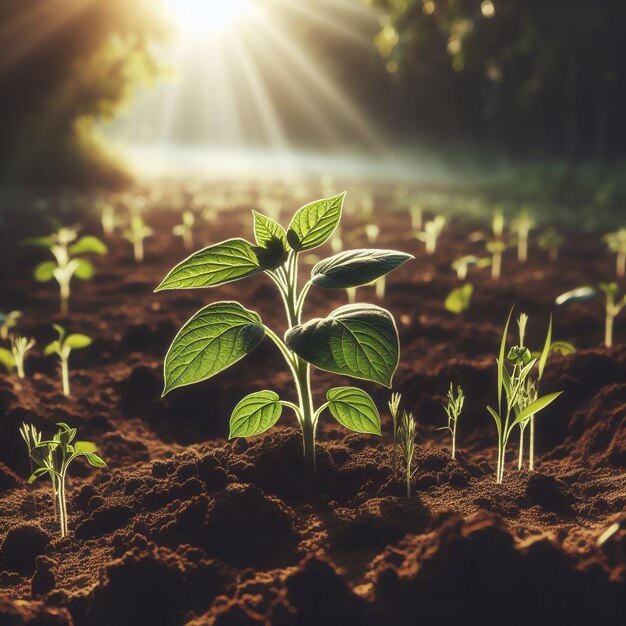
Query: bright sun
[{"x": 203, "y": 16}]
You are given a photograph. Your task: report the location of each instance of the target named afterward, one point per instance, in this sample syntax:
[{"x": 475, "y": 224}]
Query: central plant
[{"x": 357, "y": 340}]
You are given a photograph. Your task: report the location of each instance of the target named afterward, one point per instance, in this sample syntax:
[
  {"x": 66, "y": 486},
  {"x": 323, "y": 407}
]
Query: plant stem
[
  {"x": 522, "y": 249},
  {"x": 65, "y": 297},
  {"x": 496, "y": 265},
  {"x": 65, "y": 377},
  {"x": 19, "y": 365},
  {"x": 454, "y": 441},
  {"x": 380, "y": 288},
  {"x": 531, "y": 445},
  {"x": 408, "y": 480},
  {"x": 520, "y": 456},
  {"x": 62, "y": 505},
  {"x": 621, "y": 265},
  {"x": 608, "y": 330},
  {"x": 308, "y": 424}
]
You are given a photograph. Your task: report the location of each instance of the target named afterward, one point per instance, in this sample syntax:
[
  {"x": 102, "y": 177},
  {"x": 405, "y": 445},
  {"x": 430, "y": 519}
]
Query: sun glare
[{"x": 203, "y": 16}]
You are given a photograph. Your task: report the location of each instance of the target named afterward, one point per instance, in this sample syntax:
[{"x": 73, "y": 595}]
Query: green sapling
[
  {"x": 8, "y": 321},
  {"x": 431, "y": 232},
  {"x": 521, "y": 226},
  {"x": 406, "y": 437},
  {"x": 459, "y": 299},
  {"x": 185, "y": 229},
  {"x": 462, "y": 264},
  {"x": 63, "y": 347},
  {"x": 14, "y": 358},
  {"x": 453, "y": 409},
  {"x": 135, "y": 234},
  {"x": 616, "y": 242},
  {"x": 394, "y": 411},
  {"x": 551, "y": 241}
]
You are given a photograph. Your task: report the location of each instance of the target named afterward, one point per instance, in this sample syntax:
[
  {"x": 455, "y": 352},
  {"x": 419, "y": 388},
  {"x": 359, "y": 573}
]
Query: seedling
[
  {"x": 612, "y": 302},
  {"x": 394, "y": 411},
  {"x": 510, "y": 386},
  {"x": 14, "y": 358},
  {"x": 185, "y": 229},
  {"x": 135, "y": 234},
  {"x": 406, "y": 436},
  {"x": 431, "y": 232},
  {"x": 496, "y": 246},
  {"x": 63, "y": 347},
  {"x": 53, "y": 457},
  {"x": 453, "y": 409},
  {"x": 108, "y": 217},
  {"x": 8, "y": 321},
  {"x": 66, "y": 249},
  {"x": 417, "y": 216},
  {"x": 459, "y": 299},
  {"x": 371, "y": 232},
  {"x": 357, "y": 340},
  {"x": 522, "y": 225},
  {"x": 617, "y": 243},
  {"x": 462, "y": 264},
  {"x": 551, "y": 240}
]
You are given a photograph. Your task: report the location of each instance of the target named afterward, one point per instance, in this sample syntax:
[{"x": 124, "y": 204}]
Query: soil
[{"x": 184, "y": 527}]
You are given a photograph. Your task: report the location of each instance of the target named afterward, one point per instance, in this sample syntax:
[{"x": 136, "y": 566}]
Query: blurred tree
[{"x": 66, "y": 65}]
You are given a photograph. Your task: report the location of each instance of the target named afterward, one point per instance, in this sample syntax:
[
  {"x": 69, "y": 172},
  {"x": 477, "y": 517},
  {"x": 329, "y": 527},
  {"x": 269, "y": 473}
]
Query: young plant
[
  {"x": 371, "y": 232},
  {"x": 394, "y": 411},
  {"x": 510, "y": 386},
  {"x": 431, "y": 232},
  {"x": 453, "y": 409},
  {"x": 63, "y": 347},
  {"x": 358, "y": 340},
  {"x": 53, "y": 457},
  {"x": 551, "y": 241},
  {"x": 613, "y": 304},
  {"x": 108, "y": 218},
  {"x": 521, "y": 226},
  {"x": 66, "y": 249},
  {"x": 462, "y": 264},
  {"x": 417, "y": 217},
  {"x": 496, "y": 246},
  {"x": 459, "y": 299},
  {"x": 135, "y": 234},
  {"x": 616, "y": 242},
  {"x": 14, "y": 358},
  {"x": 185, "y": 229},
  {"x": 406, "y": 436},
  {"x": 8, "y": 321}
]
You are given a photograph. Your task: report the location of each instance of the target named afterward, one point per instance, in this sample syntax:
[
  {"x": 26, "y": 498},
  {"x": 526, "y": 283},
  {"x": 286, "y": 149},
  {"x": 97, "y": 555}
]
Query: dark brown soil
[{"x": 184, "y": 527}]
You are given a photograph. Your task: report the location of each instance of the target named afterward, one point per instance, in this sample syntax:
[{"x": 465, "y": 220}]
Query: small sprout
[
  {"x": 394, "y": 411},
  {"x": 185, "y": 229},
  {"x": 453, "y": 409},
  {"x": 108, "y": 217},
  {"x": 8, "y": 321},
  {"x": 417, "y": 216},
  {"x": 528, "y": 395},
  {"x": 616, "y": 242},
  {"x": 14, "y": 358},
  {"x": 459, "y": 299},
  {"x": 431, "y": 232},
  {"x": 521, "y": 226},
  {"x": 351, "y": 291},
  {"x": 406, "y": 437},
  {"x": 66, "y": 248},
  {"x": 136, "y": 234},
  {"x": 494, "y": 244},
  {"x": 53, "y": 457},
  {"x": 371, "y": 232},
  {"x": 462, "y": 264},
  {"x": 551, "y": 241},
  {"x": 62, "y": 347}
]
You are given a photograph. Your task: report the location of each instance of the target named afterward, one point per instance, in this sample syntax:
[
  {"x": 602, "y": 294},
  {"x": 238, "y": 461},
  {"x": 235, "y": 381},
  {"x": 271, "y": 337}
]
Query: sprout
[
  {"x": 459, "y": 299},
  {"x": 8, "y": 321},
  {"x": 65, "y": 248},
  {"x": 551, "y": 240},
  {"x": 522, "y": 225},
  {"x": 616, "y": 242},
  {"x": 416, "y": 217},
  {"x": 453, "y": 409},
  {"x": 494, "y": 244},
  {"x": 431, "y": 232},
  {"x": 185, "y": 229},
  {"x": 462, "y": 264},
  {"x": 137, "y": 232},
  {"x": 528, "y": 395},
  {"x": 53, "y": 457},
  {"x": 394, "y": 411},
  {"x": 62, "y": 347},
  {"x": 406, "y": 437},
  {"x": 108, "y": 217},
  {"x": 14, "y": 358},
  {"x": 371, "y": 232}
]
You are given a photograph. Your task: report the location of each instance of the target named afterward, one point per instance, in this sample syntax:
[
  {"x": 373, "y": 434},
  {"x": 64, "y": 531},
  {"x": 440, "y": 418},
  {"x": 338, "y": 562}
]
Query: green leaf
[
  {"x": 500, "y": 359},
  {"x": 52, "y": 348},
  {"x": 44, "y": 272},
  {"x": 266, "y": 229},
  {"x": 77, "y": 341},
  {"x": 36, "y": 474},
  {"x": 564, "y": 348},
  {"x": 354, "y": 409},
  {"x": 216, "y": 265},
  {"x": 498, "y": 420},
  {"x": 84, "y": 269},
  {"x": 255, "y": 414},
  {"x": 459, "y": 299},
  {"x": 535, "y": 407},
  {"x": 94, "y": 459},
  {"x": 543, "y": 359},
  {"x": 215, "y": 338},
  {"x": 6, "y": 359},
  {"x": 314, "y": 223},
  {"x": 88, "y": 244},
  {"x": 354, "y": 268},
  {"x": 38, "y": 242},
  {"x": 81, "y": 447},
  {"x": 358, "y": 340}
]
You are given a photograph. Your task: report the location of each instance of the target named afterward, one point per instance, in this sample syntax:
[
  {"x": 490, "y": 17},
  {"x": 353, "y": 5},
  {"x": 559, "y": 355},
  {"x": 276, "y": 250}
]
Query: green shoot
[
  {"x": 135, "y": 234},
  {"x": 616, "y": 242},
  {"x": 511, "y": 384},
  {"x": 462, "y": 264},
  {"x": 185, "y": 229},
  {"x": 355, "y": 340},
  {"x": 406, "y": 437},
  {"x": 417, "y": 217},
  {"x": 66, "y": 249},
  {"x": 528, "y": 395},
  {"x": 521, "y": 226},
  {"x": 14, "y": 358},
  {"x": 496, "y": 246},
  {"x": 551, "y": 241},
  {"x": 108, "y": 218},
  {"x": 431, "y": 232},
  {"x": 394, "y": 411},
  {"x": 63, "y": 347},
  {"x": 459, "y": 299},
  {"x": 53, "y": 457},
  {"x": 453, "y": 409},
  {"x": 8, "y": 321}
]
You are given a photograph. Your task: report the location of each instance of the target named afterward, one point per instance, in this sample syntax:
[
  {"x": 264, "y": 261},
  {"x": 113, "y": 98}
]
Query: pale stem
[
  {"x": 608, "y": 330},
  {"x": 522, "y": 248},
  {"x": 496, "y": 265},
  {"x": 408, "y": 480},
  {"x": 454, "y": 440},
  {"x": 461, "y": 271},
  {"x": 520, "y": 456},
  {"x": 138, "y": 249},
  {"x": 65, "y": 377},
  {"x": 19, "y": 364},
  {"x": 431, "y": 243},
  {"x": 381, "y": 285},
  {"x": 65, "y": 296},
  {"x": 531, "y": 445},
  {"x": 621, "y": 265},
  {"x": 351, "y": 294}
]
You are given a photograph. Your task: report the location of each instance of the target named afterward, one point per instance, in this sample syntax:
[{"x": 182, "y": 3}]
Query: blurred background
[{"x": 521, "y": 99}]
